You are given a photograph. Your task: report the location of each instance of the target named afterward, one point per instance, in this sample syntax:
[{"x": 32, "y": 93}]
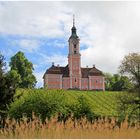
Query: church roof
[
  {"x": 91, "y": 72},
  {"x": 73, "y": 30},
  {"x": 65, "y": 71},
  {"x": 58, "y": 70}
]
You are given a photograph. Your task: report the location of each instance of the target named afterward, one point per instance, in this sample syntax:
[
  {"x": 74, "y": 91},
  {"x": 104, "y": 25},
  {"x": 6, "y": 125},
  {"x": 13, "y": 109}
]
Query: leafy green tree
[
  {"x": 7, "y": 87},
  {"x": 108, "y": 81},
  {"x": 24, "y": 68},
  {"x": 131, "y": 66},
  {"x": 2, "y": 65},
  {"x": 117, "y": 82},
  {"x": 121, "y": 83},
  {"x": 14, "y": 78},
  {"x": 128, "y": 105}
]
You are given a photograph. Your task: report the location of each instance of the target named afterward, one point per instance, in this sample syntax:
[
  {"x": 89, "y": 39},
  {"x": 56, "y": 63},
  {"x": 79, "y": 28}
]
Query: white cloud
[
  {"x": 57, "y": 43},
  {"x": 29, "y": 45},
  {"x": 109, "y": 30},
  {"x": 33, "y": 18},
  {"x": 39, "y": 78},
  {"x": 58, "y": 59}
]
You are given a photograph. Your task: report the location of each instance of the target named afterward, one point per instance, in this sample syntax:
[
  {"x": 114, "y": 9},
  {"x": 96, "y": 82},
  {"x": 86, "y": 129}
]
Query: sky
[{"x": 108, "y": 31}]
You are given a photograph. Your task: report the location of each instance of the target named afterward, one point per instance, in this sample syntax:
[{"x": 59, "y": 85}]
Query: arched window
[{"x": 74, "y": 45}]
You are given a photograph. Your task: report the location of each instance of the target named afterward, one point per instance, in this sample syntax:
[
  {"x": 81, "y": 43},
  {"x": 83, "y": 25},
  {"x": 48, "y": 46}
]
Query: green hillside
[{"x": 103, "y": 103}]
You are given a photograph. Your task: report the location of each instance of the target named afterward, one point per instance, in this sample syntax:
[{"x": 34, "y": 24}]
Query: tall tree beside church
[
  {"x": 131, "y": 65},
  {"x": 24, "y": 68},
  {"x": 8, "y": 85}
]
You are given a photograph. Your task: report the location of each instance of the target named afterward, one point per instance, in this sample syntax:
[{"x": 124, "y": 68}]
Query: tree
[
  {"x": 24, "y": 68},
  {"x": 7, "y": 87},
  {"x": 128, "y": 105},
  {"x": 121, "y": 83},
  {"x": 117, "y": 82},
  {"x": 108, "y": 81},
  {"x": 14, "y": 77},
  {"x": 131, "y": 65}
]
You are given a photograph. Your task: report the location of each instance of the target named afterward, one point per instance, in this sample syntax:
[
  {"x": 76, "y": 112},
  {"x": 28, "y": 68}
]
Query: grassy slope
[{"x": 103, "y": 103}]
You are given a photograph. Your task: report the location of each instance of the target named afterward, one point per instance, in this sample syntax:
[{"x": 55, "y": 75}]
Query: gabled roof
[
  {"x": 58, "y": 70},
  {"x": 95, "y": 71},
  {"x": 65, "y": 71},
  {"x": 91, "y": 72}
]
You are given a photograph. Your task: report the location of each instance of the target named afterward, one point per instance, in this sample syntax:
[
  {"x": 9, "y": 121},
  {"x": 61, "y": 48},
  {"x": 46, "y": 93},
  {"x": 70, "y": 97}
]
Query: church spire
[
  {"x": 73, "y": 35},
  {"x": 73, "y": 20}
]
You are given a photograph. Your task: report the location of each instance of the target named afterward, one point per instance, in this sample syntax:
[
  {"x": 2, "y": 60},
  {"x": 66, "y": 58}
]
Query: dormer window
[{"x": 74, "y": 45}]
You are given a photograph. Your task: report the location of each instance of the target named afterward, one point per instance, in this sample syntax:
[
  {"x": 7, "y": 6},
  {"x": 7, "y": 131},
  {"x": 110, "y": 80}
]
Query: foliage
[
  {"x": 42, "y": 104},
  {"x": 72, "y": 129},
  {"x": 128, "y": 105},
  {"x": 7, "y": 87},
  {"x": 89, "y": 104},
  {"x": 14, "y": 77},
  {"x": 48, "y": 103},
  {"x": 2, "y": 64},
  {"x": 131, "y": 65},
  {"x": 78, "y": 103},
  {"x": 108, "y": 81},
  {"x": 83, "y": 108},
  {"x": 24, "y": 68},
  {"x": 117, "y": 82}
]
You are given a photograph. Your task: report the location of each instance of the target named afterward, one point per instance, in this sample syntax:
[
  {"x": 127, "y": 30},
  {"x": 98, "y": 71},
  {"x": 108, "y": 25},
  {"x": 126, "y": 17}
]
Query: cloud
[
  {"x": 57, "y": 43},
  {"x": 58, "y": 59},
  {"x": 28, "y": 45},
  {"x": 33, "y": 18},
  {"x": 107, "y": 30},
  {"x": 39, "y": 78}
]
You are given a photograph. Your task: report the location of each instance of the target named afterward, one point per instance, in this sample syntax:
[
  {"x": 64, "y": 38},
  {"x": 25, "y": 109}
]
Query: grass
[
  {"x": 103, "y": 103},
  {"x": 71, "y": 129}
]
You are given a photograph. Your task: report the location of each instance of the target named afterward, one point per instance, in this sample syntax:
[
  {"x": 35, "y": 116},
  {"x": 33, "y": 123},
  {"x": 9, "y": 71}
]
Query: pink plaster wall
[
  {"x": 96, "y": 83},
  {"x": 54, "y": 81},
  {"x": 66, "y": 83}
]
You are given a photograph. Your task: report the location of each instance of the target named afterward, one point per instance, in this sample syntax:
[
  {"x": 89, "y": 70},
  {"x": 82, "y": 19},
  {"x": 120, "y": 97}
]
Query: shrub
[
  {"x": 128, "y": 105},
  {"x": 83, "y": 108},
  {"x": 47, "y": 103},
  {"x": 44, "y": 104}
]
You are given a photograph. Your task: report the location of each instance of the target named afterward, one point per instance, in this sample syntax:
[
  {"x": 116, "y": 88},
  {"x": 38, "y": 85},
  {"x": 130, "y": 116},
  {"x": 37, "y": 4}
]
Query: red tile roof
[{"x": 65, "y": 71}]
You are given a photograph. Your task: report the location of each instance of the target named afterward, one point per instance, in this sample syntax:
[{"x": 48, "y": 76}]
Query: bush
[
  {"x": 48, "y": 103},
  {"x": 44, "y": 104},
  {"x": 128, "y": 106},
  {"x": 83, "y": 109}
]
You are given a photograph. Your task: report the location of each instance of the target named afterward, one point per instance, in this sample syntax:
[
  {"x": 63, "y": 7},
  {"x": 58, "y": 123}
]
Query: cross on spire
[
  {"x": 73, "y": 20},
  {"x": 73, "y": 29}
]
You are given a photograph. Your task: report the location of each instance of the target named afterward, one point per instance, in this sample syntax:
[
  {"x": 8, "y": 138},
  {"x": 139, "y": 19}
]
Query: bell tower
[{"x": 74, "y": 59}]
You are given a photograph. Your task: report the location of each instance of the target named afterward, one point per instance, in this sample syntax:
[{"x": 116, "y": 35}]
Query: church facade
[{"x": 73, "y": 76}]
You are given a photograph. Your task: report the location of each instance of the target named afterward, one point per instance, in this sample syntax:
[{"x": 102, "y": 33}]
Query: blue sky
[{"x": 108, "y": 31}]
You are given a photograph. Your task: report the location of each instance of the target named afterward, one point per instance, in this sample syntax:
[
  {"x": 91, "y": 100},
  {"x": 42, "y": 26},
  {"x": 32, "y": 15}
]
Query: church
[{"x": 73, "y": 76}]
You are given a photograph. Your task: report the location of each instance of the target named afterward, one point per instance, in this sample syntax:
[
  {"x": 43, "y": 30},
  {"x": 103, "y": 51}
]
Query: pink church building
[{"x": 73, "y": 76}]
